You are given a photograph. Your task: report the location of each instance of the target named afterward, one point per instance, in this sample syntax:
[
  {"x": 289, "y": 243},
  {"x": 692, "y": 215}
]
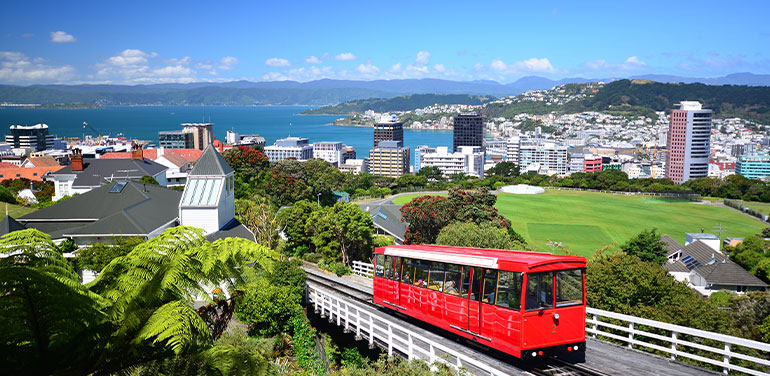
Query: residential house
[{"x": 387, "y": 220}]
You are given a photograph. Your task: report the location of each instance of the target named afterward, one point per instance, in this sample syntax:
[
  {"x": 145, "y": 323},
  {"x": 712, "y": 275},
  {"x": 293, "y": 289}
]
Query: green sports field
[
  {"x": 403, "y": 199},
  {"x": 586, "y": 221}
]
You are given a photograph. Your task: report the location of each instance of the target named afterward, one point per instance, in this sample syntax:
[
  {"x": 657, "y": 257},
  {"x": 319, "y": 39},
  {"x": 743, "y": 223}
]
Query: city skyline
[{"x": 96, "y": 42}]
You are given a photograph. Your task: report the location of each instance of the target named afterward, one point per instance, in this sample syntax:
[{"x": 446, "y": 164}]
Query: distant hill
[
  {"x": 402, "y": 103},
  {"x": 316, "y": 93}
]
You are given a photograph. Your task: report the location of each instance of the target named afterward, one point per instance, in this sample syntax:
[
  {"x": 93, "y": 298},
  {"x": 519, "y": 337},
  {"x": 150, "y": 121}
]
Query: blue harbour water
[{"x": 271, "y": 122}]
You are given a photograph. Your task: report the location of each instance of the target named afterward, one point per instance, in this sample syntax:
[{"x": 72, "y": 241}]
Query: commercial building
[
  {"x": 328, "y": 151},
  {"x": 418, "y": 153},
  {"x": 592, "y": 163},
  {"x": 355, "y": 166},
  {"x": 753, "y": 166},
  {"x": 389, "y": 158},
  {"x": 388, "y": 129},
  {"x": 175, "y": 140},
  {"x": 348, "y": 152},
  {"x": 33, "y": 137},
  {"x": 551, "y": 158},
  {"x": 468, "y": 131},
  {"x": 689, "y": 136},
  {"x": 469, "y": 160},
  {"x": 297, "y": 148},
  {"x": 203, "y": 134}
]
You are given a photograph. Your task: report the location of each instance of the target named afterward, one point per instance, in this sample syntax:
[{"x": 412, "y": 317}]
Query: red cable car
[{"x": 526, "y": 304}]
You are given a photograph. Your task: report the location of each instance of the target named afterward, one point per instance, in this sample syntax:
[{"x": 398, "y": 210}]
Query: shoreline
[{"x": 405, "y": 128}]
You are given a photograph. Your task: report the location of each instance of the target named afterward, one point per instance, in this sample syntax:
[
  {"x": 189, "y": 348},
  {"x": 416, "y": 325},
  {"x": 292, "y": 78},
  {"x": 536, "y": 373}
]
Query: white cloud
[
  {"x": 312, "y": 60},
  {"x": 228, "y": 63},
  {"x": 62, "y": 37},
  {"x": 277, "y": 62},
  {"x": 345, "y": 56},
  {"x": 395, "y": 67},
  {"x": 630, "y": 64},
  {"x": 137, "y": 66},
  {"x": 422, "y": 57},
  {"x": 439, "y": 67},
  {"x": 367, "y": 69},
  {"x": 18, "y": 68},
  {"x": 302, "y": 74},
  {"x": 528, "y": 66},
  {"x": 633, "y": 61}
]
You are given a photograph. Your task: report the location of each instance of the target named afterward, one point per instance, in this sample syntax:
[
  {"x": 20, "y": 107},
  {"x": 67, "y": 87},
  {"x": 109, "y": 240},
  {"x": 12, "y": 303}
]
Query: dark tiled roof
[
  {"x": 211, "y": 163},
  {"x": 701, "y": 252},
  {"x": 9, "y": 225},
  {"x": 676, "y": 266},
  {"x": 137, "y": 209},
  {"x": 387, "y": 217},
  {"x": 728, "y": 273},
  {"x": 99, "y": 171},
  {"x": 233, "y": 229},
  {"x": 671, "y": 245}
]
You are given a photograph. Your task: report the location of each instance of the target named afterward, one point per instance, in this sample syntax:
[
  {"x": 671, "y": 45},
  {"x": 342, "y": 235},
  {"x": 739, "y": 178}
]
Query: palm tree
[{"x": 139, "y": 309}]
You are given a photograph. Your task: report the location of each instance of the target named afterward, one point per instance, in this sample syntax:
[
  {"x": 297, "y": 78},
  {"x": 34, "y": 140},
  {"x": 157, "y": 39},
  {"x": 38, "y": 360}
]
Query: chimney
[
  {"x": 137, "y": 154},
  {"x": 77, "y": 160}
]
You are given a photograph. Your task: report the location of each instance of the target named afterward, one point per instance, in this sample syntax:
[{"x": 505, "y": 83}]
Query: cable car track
[{"x": 547, "y": 367}]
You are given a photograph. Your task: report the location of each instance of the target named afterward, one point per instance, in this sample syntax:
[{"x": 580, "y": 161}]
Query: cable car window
[
  {"x": 466, "y": 278},
  {"x": 389, "y": 267},
  {"x": 421, "y": 273},
  {"x": 509, "y": 290},
  {"x": 452, "y": 279},
  {"x": 539, "y": 291},
  {"x": 476, "y": 284},
  {"x": 408, "y": 271},
  {"x": 437, "y": 272},
  {"x": 379, "y": 265},
  {"x": 569, "y": 287},
  {"x": 490, "y": 286},
  {"x": 396, "y": 268}
]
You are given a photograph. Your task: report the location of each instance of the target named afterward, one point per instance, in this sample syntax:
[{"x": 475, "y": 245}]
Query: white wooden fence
[
  {"x": 374, "y": 326},
  {"x": 680, "y": 341},
  {"x": 363, "y": 268}
]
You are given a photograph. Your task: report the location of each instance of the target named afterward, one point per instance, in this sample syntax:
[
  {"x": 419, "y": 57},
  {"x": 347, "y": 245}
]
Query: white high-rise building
[
  {"x": 689, "y": 142},
  {"x": 548, "y": 156},
  {"x": 290, "y": 148},
  {"x": 467, "y": 160},
  {"x": 328, "y": 151},
  {"x": 418, "y": 153}
]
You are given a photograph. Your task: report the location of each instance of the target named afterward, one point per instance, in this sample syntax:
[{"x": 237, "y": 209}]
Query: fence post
[
  {"x": 726, "y": 369},
  {"x": 410, "y": 347},
  {"x": 673, "y": 345},
  {"x": 630, "y": 335},
  {"x": 371, "y": 331},
  {"x": 339, "y": 310},
  {"x": 596, "y": 326},
  {"x": 347, "y": 319},
  {"x": 390, "y": 340}
]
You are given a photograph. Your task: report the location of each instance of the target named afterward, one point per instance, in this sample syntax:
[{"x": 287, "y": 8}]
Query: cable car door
[
  {"x": 474, "y": 307},
  {"x": 395, "y": 285},
  {"x": 388, "y": 282}
]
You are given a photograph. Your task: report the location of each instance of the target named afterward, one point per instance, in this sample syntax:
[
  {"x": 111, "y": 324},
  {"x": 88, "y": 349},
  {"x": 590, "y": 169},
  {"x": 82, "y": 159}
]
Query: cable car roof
[{"x": 487, "y": 258}]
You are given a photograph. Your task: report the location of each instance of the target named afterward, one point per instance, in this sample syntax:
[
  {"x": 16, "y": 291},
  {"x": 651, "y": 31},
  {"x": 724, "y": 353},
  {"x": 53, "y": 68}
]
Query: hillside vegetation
[{"x": 402, "y": 103}]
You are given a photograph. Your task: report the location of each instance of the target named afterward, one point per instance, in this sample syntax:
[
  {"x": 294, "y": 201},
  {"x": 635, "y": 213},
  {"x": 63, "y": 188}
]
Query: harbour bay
[{"x": 271, "y": 122}]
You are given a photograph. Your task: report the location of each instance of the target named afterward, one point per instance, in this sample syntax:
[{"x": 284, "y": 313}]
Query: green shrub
[
  {"x": 267, "y": 309},
  {"x": 335, "y": 267}
]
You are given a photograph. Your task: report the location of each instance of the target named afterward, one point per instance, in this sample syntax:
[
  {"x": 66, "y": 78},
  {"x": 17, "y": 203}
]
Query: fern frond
[{"x": 176, "y": 325}]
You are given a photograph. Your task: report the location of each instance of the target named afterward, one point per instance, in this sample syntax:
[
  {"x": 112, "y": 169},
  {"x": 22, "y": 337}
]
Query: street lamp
[
  {"x": 318, "y": 200},
  {"x": 553, "y": 246}
]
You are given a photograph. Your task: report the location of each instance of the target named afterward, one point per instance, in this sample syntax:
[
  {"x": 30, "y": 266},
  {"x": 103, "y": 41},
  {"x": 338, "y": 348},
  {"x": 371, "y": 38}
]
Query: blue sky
[{"x": 134, "y": 42}]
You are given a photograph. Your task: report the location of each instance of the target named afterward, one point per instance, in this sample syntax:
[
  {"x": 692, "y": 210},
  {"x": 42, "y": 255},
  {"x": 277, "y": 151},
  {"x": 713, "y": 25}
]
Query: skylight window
[{"x": 118, "y": 187}]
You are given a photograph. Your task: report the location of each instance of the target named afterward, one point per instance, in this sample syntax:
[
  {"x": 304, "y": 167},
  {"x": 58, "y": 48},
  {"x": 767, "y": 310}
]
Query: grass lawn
[
  {"x": 17, "y": 211},
  {"x": 403, "y": 199},
  {"x": 586, "y": 221}
]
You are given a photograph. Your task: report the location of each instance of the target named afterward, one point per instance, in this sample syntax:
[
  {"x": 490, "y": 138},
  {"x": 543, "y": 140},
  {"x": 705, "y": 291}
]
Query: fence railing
[
  {"x": 363, "y": 268},
  {"x": 384, "y": 330},
  {"x": 680, "y": 341},
  {"x": 727, "y": 352},
  {"x": 753, "y": 212}
]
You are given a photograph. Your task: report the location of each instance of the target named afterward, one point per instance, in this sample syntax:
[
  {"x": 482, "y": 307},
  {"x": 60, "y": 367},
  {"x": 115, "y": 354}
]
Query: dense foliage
[
  {"x": 484, "y": 235},
  {"x": 647, "y": 246},
  {"x": 138, "y": 309},
  {"x": 96, "y": 256}
]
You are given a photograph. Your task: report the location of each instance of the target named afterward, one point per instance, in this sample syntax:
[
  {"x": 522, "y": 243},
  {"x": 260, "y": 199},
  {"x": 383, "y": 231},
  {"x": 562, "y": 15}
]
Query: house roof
[
  {"x": 387, "y": 217},
  {"x": 8, "y": 225},
  {"x": 676, "y": 266},
  {"x": 211, "y": 163},
  {"x": 671, "y": 245},
  {"x": 31, "y": 173},
  {"x": 46, "y": 161},
  {"x": 99, "y": 171},
  {"x": 728, "y": 273},
  {"x": 189, "y": 155},
  {"x": 116, "y": 155},
  {"x": 136, "y": 209},
  {"x": 8, "y": 165},
  {"x": 233, "y": 229},
  {"x": 701, "y": 252},
  {"x": 176, "y": 160}
]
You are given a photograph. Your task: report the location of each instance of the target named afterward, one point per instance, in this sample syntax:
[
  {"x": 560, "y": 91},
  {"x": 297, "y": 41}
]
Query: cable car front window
[
  {"x": 539, "y": 291},
  {"x": 569, "y": 287}
]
